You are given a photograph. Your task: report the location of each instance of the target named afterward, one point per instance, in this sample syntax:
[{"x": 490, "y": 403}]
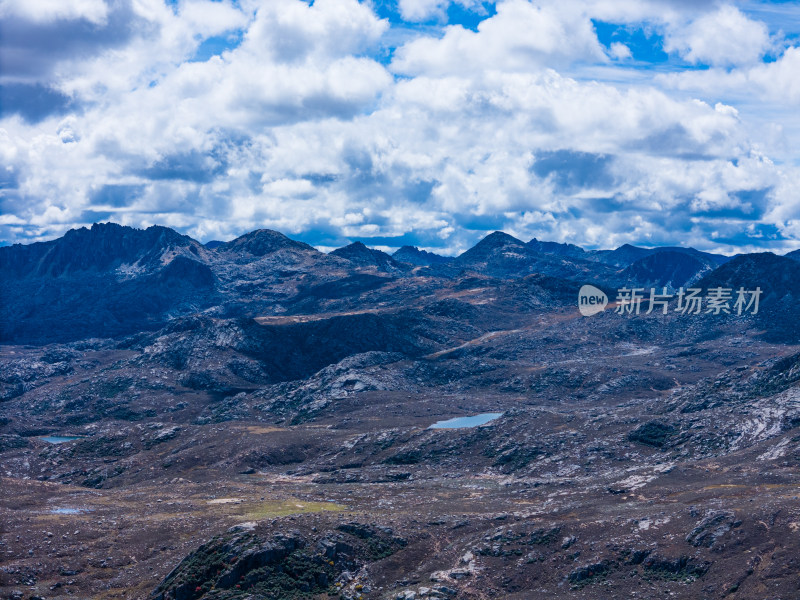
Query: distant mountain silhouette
[
  {"x": 794, "y": 255},
  {"x": 778, "y": 276},
  {"x": 415, "y": 256},
  {"x": 262, "y": 242},
  {"x": 502, "y": 255},
  {"x": 557, "y": 248},
  {"x": 627, "y": 254},
  {"x": 623, "y": 256},
  {"x": 358, "y": 254},
  {"x": 667, "y": 269},
  {"x": 779, "y": 280},
  {"x": 489, "y": 247}
]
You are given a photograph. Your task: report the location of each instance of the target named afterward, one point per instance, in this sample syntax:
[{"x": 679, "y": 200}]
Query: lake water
[
  {"x": 459, "y": 422},
  {"x": 69, "y": 511},
  {"x": 59, "y": 439}
]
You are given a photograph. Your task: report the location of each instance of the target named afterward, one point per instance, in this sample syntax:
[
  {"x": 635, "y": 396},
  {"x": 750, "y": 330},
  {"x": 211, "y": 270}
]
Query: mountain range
[{"x": 111, "y": 280}]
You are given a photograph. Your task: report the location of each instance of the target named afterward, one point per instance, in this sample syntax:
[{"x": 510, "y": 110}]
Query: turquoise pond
[
  {"x": 461, "y": 422},
  {"x": 59, "y": 439}
]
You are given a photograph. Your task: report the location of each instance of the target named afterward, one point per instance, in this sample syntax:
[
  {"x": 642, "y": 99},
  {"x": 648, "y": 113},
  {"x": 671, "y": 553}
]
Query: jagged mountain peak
[
  {"x": 415, "y": 256},
  {"x": 156, "y": 235},
  {"x": 262, "y": 242},
  {"x": 491, "y": 244},
  {"x": 500, "y": 238},
  {"x": 104, "y": 246},
  {"x": 357, "y": 251},
  {"x": 622, "y": 256},
  {"x": 357, "y": 245},
  {"x": 556, "y": 248},
  {"x": 359, "y": 254}
]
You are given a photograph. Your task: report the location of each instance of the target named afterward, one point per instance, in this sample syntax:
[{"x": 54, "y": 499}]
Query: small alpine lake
[
  {"x": 464, "y": 422},
  {"x": 59, "y": 439}
]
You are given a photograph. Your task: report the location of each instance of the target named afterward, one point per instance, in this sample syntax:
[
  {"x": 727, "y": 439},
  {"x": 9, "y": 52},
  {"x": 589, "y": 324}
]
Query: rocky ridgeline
[{"x": 112, "y": 280}]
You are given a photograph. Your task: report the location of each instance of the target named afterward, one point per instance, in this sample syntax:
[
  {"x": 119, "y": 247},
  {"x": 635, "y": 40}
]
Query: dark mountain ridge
[
  {"x": 668, "y": 269},
  {"x": 415, "y": 256},
  {"x": 557, "y": 248},
  {"x": 262, "y": 242},
  {"x": 359, "y": 255},
  {"x": 105, "y": 281},
  {"x": 104, "y": 247},
  {"x": 112, "y": 280},
  {"x": 777, "y": 277},
  {"x": 627, "y": 254},
  {"x": 504, "y": 256}
]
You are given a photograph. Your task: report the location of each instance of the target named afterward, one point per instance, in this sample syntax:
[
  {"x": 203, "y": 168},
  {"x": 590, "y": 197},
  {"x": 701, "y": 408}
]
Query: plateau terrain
[{"x": 257, "y": 419}]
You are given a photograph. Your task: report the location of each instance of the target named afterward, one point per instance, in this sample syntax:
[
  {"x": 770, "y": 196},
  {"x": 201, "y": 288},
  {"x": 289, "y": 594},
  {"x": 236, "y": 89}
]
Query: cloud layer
[{"x": 424, "y": 122}]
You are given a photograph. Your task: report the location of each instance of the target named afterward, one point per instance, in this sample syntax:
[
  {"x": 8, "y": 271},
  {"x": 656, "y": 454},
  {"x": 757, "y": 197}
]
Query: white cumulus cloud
[
  {"x": 43, "y": 11},
  {"x": 722, "y": 38},
  {"x": 312, "y": 118}
]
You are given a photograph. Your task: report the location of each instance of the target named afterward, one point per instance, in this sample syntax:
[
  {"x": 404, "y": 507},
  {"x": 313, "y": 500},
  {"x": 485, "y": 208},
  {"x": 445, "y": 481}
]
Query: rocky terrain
[{"x": 252, "y": 419}]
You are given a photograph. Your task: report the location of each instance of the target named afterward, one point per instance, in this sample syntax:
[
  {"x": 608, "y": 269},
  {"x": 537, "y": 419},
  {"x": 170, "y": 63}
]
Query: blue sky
[{"x": 426, "y": 122}]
